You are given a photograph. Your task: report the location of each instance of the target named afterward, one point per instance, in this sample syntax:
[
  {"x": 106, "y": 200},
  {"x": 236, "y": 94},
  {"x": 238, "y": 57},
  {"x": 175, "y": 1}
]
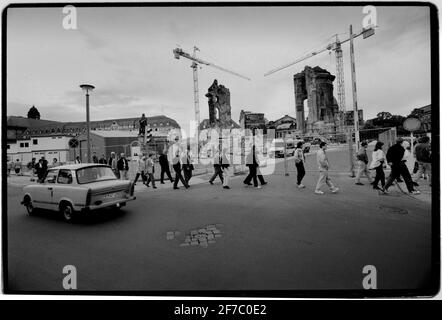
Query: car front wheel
[
  {"x": 29, "y": 206},
  {"x": 67, "y": 211}
]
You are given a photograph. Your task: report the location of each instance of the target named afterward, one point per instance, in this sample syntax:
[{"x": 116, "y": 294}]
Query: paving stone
[
  {"x": 210, "y": 226},
  {"x": 177, "y": 233},
  {"x": 193, "y": 232},
  {"x": 185, "y": 244},
  {"x": 216, "y": 231},
  {"x": 211, "y": 241},
  {"x": 218, "y": 235},
  {"x": 204, "y": 244},
  {"x": 187, "y": 239},
  {"x": 202, "y": 230},
  {"x": 210, "y": 237},
  {"x": 194, "y": 243}
]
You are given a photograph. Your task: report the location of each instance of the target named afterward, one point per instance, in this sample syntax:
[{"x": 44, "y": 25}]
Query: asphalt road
[{"x": 275, "y": 238}]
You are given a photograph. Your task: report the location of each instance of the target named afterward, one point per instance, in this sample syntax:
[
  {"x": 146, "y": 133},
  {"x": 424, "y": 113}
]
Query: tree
[{"x": 33, "y": 113}]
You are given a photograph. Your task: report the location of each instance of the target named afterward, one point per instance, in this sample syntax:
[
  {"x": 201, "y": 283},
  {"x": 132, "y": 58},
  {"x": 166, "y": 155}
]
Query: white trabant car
[{"x": 78, "y": 188}]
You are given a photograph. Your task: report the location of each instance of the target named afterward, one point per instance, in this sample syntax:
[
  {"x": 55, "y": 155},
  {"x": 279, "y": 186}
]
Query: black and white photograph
[{"x": 221, "y": 149}]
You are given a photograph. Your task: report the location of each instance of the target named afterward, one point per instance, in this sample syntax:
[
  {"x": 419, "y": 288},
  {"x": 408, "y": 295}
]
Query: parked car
[{"x": 78, "y": 189}]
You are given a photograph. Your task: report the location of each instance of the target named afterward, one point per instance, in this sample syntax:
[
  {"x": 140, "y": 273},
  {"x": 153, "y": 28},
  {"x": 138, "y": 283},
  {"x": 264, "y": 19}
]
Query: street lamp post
[{"x": 87, "y": 88}]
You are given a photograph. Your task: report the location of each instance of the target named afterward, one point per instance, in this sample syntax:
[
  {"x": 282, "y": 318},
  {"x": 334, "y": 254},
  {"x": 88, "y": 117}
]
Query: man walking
[
  {"x": 395, "y": 155},
  {"x": 102, "y": 159},
  {"x": 150, "y": 171},
  {"x": 252, "y": 164},
  {"x": 362, "y": 163},
  {"x": 123, "y": 166},
  {"x": 217, "y": 163},
  {"x": 225, "y": 165},
  {"x": 177, "y": 168},
  {"x": 323, "y": 166},
  {"x": 140, "y": 167},
  {"x": 423, "y": 157},
  {"x": 165, "y": 169},
  {"x": 187, "y": 166},
  {"x": 112, "y": 162}
]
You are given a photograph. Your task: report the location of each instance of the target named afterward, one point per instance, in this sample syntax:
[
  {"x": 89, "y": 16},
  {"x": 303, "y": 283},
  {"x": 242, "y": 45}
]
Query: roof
[
  {"x": 22, "y": 122},
  {"x": 284, "y": 126},
  {"x": 205, "y": 124},
  {"x": 115, "y": 133}
]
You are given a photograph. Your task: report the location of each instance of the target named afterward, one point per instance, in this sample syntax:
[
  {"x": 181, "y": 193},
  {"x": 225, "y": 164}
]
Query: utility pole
[{"x": 353, "y": 85}]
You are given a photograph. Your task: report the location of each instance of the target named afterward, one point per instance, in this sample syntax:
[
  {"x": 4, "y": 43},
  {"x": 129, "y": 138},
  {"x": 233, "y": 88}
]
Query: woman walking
[
  {"x": 377, "y": 163},
  {"x": 299, "y": 162}
]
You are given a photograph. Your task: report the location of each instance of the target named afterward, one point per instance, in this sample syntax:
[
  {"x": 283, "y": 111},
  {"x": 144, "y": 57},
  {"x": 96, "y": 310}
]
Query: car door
[
  {"x": 63, "y": 187},
  {"x": 43, "y": 192}
]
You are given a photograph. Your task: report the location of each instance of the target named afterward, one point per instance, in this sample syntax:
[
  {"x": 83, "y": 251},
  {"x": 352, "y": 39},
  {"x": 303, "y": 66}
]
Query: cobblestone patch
[
  {"x": 396, "y": 210},
  {"x": 203, "y": 236}
]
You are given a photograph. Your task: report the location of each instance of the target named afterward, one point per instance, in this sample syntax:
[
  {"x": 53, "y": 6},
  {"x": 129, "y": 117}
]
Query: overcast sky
[{"x": 127, "y": 54}]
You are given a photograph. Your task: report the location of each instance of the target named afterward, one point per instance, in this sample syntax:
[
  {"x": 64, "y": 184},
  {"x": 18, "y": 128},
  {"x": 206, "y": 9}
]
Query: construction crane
[
  {"x": 335, "y": 46},
  {"x": 178, "y": 52}
]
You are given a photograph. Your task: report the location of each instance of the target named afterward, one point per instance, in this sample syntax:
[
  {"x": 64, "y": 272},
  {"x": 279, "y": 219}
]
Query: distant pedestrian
[
  {"x": 362, "y": 164},
  {"x": 102, "y": 160},
  {"x": 299, "y": 163},
  {"x": 17, "y": 167},
  {"x": 377, "y": 163},
  {"x": 252, "y": 164},
  {"x": 123, "y": 166},
  {"x": 10, "y": 166},
  {"x": 165, "y": 167},
  {"x": 395, "y": 159},
  {"x": 112, "y": 162},
  {"x": 423, "y": 157},
  {"x": 40, "y": 169},
  {"x": 217, "y": 166},
  {"x": 150, "y": 169},
  {"x": 31, "y": 168},
  {"x": 177, "y": 168},
  {"x": 188, "y": 167},
  {"x": 94, "y": 158},
  {"x": 54, "y": 163},
  {"x": 77, "y": 160},
  {"x": 323, "y": 166}
]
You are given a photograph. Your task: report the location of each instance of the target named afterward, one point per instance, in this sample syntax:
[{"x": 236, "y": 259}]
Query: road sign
[
  {"x": 412, "y": 124},
  {"x": 73, "y": 143}
]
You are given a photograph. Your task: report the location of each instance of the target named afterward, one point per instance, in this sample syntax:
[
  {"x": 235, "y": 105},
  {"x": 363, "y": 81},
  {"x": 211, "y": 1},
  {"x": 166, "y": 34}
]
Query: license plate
[{"x": 110, "y": 196}]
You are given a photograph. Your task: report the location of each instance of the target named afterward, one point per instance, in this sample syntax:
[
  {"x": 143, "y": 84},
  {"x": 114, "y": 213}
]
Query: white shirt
[{"x": 377, "y": 156}]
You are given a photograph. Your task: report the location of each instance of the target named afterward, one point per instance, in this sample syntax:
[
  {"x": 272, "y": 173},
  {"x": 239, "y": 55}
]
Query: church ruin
[{"x": 315, "y": 85}]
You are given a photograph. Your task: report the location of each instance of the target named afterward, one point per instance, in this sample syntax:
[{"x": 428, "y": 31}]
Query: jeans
[
  {"x": 424, "y": 167},
  {"x": 165, "y": 170},
  {"x": 397, "y": 170},
  {"x": 218, "y": 172},
  {"x": 301, "y": 171},
  {"x": 252, "y": 175}
]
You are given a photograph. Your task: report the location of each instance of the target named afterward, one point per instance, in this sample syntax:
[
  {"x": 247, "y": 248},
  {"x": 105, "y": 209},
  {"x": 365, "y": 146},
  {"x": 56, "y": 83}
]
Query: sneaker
[
  {"x": 259, "y": 187},
  {"x": 264, "y": 183},
  {"x": 226, "y": 187},
  {"x": 175, "y": 188},
  {"x": 334, "y": 190},
  {"x": 359, "y": 183},
  {"x": 415, "y": 192},
  {"x": 154, "y": 187},
  {"x": 211, "y": 182},
  {"x": 162, "y": 182},
  {"x": 319, "y": 192},
  {"x": 301, "y": 186},
  {"x": 415, "y": 184},
  {"x": 376, "y": 188}
]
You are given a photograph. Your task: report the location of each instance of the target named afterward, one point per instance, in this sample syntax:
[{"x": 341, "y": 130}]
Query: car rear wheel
[{"x": 67, "y": 211}]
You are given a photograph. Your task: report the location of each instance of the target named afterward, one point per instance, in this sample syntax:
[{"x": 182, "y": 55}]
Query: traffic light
[{"x": 148, "y": 135}]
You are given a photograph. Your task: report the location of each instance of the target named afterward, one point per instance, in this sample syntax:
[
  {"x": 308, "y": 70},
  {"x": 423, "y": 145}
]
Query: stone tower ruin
[
  {"x": 315, "y": 85},
  {"x": 220, "y": 114}
]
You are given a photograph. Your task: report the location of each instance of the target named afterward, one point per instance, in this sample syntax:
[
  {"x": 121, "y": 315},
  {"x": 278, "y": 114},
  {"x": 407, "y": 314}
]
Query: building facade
[{"x": 284, "y": 127}]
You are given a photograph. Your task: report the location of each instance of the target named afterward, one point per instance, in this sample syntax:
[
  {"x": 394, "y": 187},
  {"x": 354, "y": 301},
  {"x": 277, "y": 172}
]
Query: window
[
  {"x": 65, "y": 176},
  {"x": 54, "y": 137},
  {"x": 51, "y": 176},
  {"x": 92, "y": 174},
  {"x": 34, "y": 141},
  {"x": 22, "y": 145},
  {"x": 8, "y": 146},
  {"x": 26, "y": 144}
]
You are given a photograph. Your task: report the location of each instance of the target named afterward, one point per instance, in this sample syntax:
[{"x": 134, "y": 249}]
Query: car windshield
[{"x": 93, "y": 174}]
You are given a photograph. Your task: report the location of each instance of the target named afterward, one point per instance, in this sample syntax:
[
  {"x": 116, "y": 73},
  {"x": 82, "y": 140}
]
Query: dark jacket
[
  {"x": 122, "y": 164},
  {"x": 164, "y": 162},
  {"x": 423, "y": 153},
  {"x": 395, "y": 154},
  {"x": 362, "y": 155}
]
